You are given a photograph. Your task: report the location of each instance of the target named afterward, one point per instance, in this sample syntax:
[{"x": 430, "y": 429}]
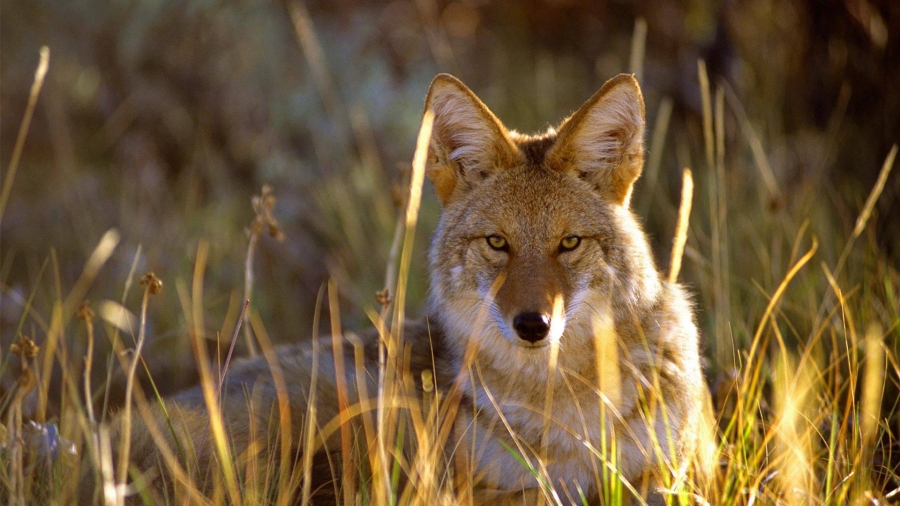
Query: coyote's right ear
[{"x": 468, "y": 143}]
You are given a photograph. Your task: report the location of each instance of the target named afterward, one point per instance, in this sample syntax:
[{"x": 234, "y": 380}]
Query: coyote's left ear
[{"x": 604, "y": 140}]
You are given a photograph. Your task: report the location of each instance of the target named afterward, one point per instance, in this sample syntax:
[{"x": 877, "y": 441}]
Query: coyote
[{"x": 573, "y": 360}]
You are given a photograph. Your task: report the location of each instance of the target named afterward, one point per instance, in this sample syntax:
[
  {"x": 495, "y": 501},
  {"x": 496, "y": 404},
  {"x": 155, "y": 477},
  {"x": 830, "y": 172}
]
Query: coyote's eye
[
  {"x": 569, "y": 243},
  {"x": 498, "y": 243}
]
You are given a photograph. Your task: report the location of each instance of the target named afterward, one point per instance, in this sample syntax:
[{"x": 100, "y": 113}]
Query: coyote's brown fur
[{"x": 576, "y": 355}]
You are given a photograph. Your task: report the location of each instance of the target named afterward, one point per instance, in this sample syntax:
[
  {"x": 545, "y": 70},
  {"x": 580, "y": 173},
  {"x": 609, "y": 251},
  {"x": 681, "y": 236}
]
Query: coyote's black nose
[{"x": 532, "y": 327}]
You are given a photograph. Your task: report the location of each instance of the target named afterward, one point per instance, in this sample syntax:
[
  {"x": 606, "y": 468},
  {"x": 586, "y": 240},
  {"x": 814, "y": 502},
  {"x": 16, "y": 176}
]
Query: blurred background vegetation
[{"x": 161, "y": 118}]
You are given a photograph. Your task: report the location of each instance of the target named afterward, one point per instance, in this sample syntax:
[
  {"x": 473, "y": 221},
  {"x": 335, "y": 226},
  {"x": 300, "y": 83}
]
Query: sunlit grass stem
[
  {"x": 39, "y": 75},
  {"x": 151, "y": 286},
  {"x": 681, "y": 229}
]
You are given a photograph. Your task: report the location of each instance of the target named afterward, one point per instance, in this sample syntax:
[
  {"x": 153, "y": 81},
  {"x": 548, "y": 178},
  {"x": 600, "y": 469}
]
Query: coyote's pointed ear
[
  {"x": 468, "y": 143},
  {"x": 604, "y": 140}
]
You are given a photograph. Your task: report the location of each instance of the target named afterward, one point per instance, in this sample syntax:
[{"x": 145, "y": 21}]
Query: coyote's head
[{"x": 536, "y": 243}]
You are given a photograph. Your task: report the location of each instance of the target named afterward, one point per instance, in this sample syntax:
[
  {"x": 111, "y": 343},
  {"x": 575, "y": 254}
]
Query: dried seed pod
[
  {"x": 153, "y": 283},
  {"x": 85, "y": 313},
  {"x": 383, "y": 297}
]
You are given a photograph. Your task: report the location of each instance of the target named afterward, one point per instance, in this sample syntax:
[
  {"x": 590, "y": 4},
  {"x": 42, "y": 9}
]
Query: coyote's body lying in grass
[{"x": 576, "y": 365}]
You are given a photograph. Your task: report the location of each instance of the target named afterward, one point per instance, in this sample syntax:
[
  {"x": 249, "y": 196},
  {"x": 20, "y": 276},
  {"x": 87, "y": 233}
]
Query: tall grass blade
[
  {"x": 684, "y": 215},
  {"x": 638, "y": 48},
  {"x": 39, "y": 76}
]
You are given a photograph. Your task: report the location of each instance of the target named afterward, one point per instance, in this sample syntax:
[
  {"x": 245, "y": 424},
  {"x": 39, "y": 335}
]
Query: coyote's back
[{"x": 572, "y": 365}]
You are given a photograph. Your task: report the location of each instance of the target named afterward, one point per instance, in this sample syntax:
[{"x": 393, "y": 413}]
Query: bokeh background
[{"x": 162, "y": 118}]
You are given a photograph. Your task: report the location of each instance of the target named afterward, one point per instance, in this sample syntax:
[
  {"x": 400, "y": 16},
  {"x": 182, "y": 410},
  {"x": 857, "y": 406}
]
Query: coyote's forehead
[{"x": 533, "y": 204}]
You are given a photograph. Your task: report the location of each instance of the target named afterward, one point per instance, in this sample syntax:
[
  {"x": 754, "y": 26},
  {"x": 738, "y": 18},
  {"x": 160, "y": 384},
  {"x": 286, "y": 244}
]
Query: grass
[{"x": 801, "y": 313}]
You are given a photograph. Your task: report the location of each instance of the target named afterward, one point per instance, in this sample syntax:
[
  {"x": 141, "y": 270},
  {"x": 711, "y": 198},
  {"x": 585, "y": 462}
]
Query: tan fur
[{"x": 628, "y": 367}]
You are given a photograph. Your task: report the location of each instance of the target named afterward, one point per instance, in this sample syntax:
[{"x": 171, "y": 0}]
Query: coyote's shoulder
[{"x": 572, "y": 364}]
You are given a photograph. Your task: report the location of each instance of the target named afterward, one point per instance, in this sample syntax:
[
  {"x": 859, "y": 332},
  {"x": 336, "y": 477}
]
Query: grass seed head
[
  {"x": 262, "y": 207},
  {"x": 24, "y": 348},
  {"x": 85, "y": 313},
  {"x": 154, "y": 284},
  {"x": 383, "y": 297}
]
